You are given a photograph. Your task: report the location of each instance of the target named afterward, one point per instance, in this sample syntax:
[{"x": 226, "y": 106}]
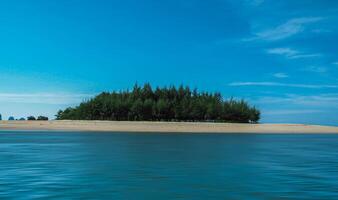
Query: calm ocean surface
[{"x": 74, "y": 165}]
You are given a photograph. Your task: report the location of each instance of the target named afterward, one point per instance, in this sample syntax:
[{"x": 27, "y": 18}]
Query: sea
[{"x": 197, "y": 166}]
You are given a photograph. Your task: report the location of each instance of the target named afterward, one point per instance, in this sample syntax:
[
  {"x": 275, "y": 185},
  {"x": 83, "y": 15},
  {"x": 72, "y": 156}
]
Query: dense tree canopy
[{"x": 162, "y": 104}]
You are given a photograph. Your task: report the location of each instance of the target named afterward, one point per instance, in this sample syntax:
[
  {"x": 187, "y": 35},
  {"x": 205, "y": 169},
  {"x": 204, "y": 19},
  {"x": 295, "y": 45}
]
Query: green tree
[{"x": 167, "y": 103}]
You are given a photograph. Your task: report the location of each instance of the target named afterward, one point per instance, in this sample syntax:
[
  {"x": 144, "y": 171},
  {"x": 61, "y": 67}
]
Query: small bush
[
  {"x": 42, "y": 118},
  {"x": 31, "y": 118}
]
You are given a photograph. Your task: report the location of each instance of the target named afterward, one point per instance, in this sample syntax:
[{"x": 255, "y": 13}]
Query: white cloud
[
  {"x": 290, "y": 53},
  {"x": 291, "y": 112},
  {"x": 306, "y": 56},
  {"x": 322, "y": 100},
  {"x": 43, "y": 98},
  {"x": 280, "y": 75},
  {"x": 315, "y": 69},
  {"x": 283, "y": 51},
  {"x": 299, "y": 108},
  {"x": 282, "y": 85},
  {"x": 288, "y": 29}
]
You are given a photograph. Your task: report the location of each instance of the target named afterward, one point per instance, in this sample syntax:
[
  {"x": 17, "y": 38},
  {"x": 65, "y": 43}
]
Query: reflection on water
[{"x": 65, "y": 165}]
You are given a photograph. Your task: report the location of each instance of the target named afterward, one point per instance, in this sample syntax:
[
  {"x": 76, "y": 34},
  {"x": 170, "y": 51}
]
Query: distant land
[{"x": 164, "y": 127}]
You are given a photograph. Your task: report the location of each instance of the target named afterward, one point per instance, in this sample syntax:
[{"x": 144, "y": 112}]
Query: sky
[{"x": 281, "y": 56}]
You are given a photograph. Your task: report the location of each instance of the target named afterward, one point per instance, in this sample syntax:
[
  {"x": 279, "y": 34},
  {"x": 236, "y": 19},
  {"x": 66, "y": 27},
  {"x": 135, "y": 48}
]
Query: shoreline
[{"x": 163, "y": 127}]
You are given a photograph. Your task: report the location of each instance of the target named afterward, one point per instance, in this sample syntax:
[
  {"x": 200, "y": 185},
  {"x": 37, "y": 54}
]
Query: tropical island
[
  {"x": 162, "y": 104},
  {"x": 166, "y": 109}
]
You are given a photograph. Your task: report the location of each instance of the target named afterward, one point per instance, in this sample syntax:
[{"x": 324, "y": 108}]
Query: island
[{"x": 163, "y": 110}]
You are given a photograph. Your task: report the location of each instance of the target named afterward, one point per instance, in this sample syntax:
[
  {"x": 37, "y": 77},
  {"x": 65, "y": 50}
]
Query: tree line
[
  {"x": 29, "y": 118},
  {"x": 162, "y": 104},
  {"x": 40, "y": 118}
]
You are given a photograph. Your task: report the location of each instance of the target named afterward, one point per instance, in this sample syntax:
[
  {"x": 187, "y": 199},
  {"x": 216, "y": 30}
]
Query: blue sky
[{"x": 279, "y": 55}]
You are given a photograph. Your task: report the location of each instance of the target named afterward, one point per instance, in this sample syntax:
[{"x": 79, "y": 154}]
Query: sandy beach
[{"x": 164, "y": 127}]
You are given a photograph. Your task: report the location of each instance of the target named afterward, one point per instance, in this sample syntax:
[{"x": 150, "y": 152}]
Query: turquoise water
[{"x": 73, "y": 165}]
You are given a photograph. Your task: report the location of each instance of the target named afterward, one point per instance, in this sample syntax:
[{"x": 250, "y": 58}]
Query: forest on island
[{"x": 162, "y": 104}]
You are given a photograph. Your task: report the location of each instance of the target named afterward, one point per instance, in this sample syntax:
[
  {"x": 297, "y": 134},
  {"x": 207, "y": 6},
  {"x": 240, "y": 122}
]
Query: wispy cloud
[
  {"x": 280, "y": 75},
  {"x": 335, "y": 63},
  {"x": 288, "y": 29},
  {"x": 282, "y": 85},
  {"x": 293, "y": 106},
  {"x": 44, "y": 98},
  {"x": 290, "y": 53},
  {"x": 315, "y": 69},
  {"x": 306, "y": 56},
  {"x": 291, "y": 111},
  {"x": 328, "y": 100}
]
